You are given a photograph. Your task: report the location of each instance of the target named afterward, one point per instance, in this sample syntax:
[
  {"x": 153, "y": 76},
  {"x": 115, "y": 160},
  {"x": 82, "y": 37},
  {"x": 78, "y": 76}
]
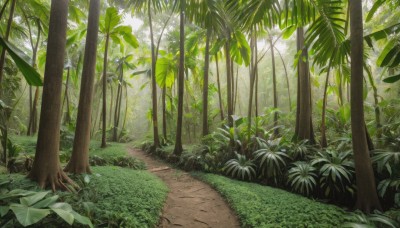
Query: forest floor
[{"x": 190, "y": 202}]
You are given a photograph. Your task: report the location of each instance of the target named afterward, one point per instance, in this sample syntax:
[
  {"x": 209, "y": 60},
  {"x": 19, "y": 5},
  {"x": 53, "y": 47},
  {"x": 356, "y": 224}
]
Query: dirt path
[{"x": 190, "y": 202}]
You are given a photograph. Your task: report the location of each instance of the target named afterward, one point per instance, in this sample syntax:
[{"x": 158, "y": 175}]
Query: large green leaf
[
  {"x": 240, "y": 49},
  {"x": 82, "y": 219},
  {"x": 392, "y": 79},
  {"x": 31, "y": 75},
  {"x": 390, "y": 54},
  {"x": 165, "y": 75},
  {"x": 372, "y": 11},
  {"x": 64, "y": 210},
  {"x": 28, "y": 215},
  {"x": 111, "y": 20},
  {"x": 4, "y": 210},
  {"x": 46, "y": 202},
  {"x": 30, "y": 200}
]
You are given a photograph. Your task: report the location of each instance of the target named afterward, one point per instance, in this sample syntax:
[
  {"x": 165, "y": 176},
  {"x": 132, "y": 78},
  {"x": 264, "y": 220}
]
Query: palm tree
[
  {"x": 178, "y": 141},
  {"x": 367, "y": 198},
  {"x": 46, "y": 169},
  {"x": 112, "y": 29},
  {"x": 79, "y": 162}
]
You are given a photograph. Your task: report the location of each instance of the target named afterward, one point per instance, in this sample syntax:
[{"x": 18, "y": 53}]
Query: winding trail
[{"x": 190, "y": 202}]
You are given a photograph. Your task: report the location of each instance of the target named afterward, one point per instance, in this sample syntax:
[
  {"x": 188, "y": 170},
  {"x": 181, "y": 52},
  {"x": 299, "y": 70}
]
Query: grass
[
  {"x": 262, "y": 206},
  {"x": 112, "y": 150},
  {"x": 28, "y": 143},
  {"x": 131, "y": 198}
]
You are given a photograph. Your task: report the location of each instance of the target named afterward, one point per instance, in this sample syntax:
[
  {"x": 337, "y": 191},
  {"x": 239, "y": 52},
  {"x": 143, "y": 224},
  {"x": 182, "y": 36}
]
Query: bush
[{"x": 261, "y": 206}]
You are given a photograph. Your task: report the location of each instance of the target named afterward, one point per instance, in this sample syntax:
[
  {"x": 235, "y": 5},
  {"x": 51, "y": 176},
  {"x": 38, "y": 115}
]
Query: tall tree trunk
[
  {"x": 67, "y": 118},
  {"x": 178, "y": 142},
  {"x": 111, "y": 104},
  {"x": 376, "y": 105},
  {"x": 164, "y": 112},
  {"x": 205, "y": 83},
  {"x": 367, "y": 198},
  {"x": 46, "y": 169},
  {"x": 221, "y": 106},
  {"x": 304, "y": 128},
  {"x": 104, "y": 112},
  {"x": 7, "y": 35},
  {"x": 229, "y": 84},
  {"x": 276, "y": 130},
  {"x": 79, "y": 162},
  {"x": 324, "y": 142},
  {"x": 126, "y": 112},
  {"x": 118, "y": 100},
  {"x": 28, "y": 131},
  {"x": 235, "y": 85},
  {"x": 286, "y": 77},
  {"x": 33, "y": 101},
  {"x": 253, "y": 62},
  {"x": 156, "y": 139}
]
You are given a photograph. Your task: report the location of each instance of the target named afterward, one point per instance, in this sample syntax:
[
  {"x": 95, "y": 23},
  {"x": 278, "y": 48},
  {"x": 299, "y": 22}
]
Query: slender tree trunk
[
  {"x": 376, "y": 105},
  {"x": 126, "y": 112},
  {"x": 28, "y": 131},
  {"x": 252, "y": 73},
  {"x": 67, "y": 118},
  {"x": 46, "y": 169},
  {"x": 164, "y": 111},
  {"x": 103, "y": 135},
  {"x": 304, "y": 128},
  {"x": 367, "y": 198},
  {"x": 34, "y": 123},
  {"x": 111, "y": 104},
  {"x": 178, "y": 142},
  {"x": 221, "y": 106},
  {"x": 236, "y": 89},
  {"x": 276, "y": 130},
  {"x": 32, "y": 103},
  {"x": 286, "y": 76},
  {"x": 7, "y": 35},
  {"x": 324, "y": 142},
  {"x": 79, "y": 162},
  {"x": 117, "y": 110},
  {"x": 153, "y": 82},
  {"x": 205, "y": 83},
  {"x": 229, "y": 84}
]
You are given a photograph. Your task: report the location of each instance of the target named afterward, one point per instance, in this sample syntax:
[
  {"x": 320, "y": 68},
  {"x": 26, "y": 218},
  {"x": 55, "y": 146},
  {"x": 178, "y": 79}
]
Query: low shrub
[
  {"x": 262, "y": 206},
  {"x": 129, "y": 162}
]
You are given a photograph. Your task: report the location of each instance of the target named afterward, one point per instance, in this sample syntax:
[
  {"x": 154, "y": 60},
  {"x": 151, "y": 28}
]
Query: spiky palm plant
[
  {"x": 336, "y": 170},
  {"x": 271, "y": 158},
  {"x": 302, "y": 178},
  {"x": 240, "y": 168}
]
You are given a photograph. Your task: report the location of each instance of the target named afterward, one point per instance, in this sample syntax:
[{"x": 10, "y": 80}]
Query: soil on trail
[{"x": 190, "y": 202}]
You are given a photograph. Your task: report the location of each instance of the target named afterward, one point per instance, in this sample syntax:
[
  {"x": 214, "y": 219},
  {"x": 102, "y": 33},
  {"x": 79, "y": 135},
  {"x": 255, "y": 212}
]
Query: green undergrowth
[
  {"x": 262, "y": 206},
  {"x": 112, "y": 150},
  {"x": 111, "y": 197},
  {"x": 129, "y": 198}
]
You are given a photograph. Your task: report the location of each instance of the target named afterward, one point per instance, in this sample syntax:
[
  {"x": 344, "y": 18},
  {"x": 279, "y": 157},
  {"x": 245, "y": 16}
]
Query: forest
[{"x": 199, "y": 113}]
